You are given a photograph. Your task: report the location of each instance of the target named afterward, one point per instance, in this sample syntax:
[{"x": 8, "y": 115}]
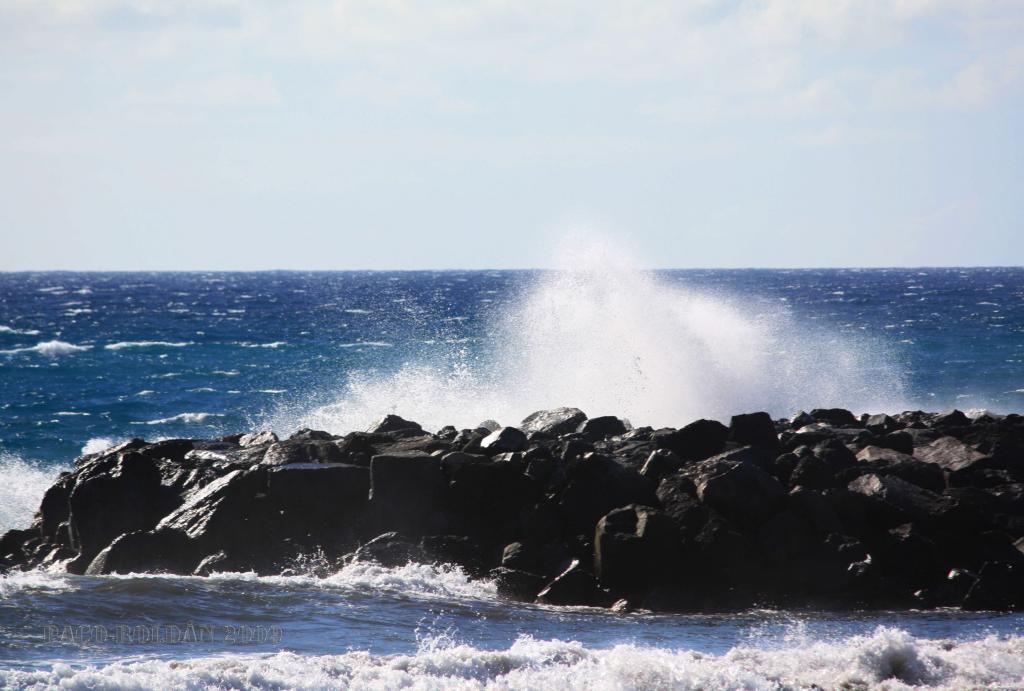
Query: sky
[{"x": 386, "y": 134}]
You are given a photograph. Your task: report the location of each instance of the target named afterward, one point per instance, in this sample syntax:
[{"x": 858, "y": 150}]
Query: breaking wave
[
  {"x": 121, "y": 345},
  {"x": 601, "y": 334},
  {"x": 885, "y": 659},
  {"x": 188, "y": 418},
  {"x": 22, "y": 485},
  {"x": 49, "y": 349}
]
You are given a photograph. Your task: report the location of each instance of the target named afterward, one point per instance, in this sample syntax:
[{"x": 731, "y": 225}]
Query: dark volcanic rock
[
  {"x": 407, "y": 493},
  {"x": 504, "y": 440},
  {"x": 912, "y": 509},
  {"x": 740, "y": 491},
  {"x": 574, "y": 586},
  {"x": 696, "y": 441},
  {"x": 602, "y": 427},
  {"x": 635, "y": 547},
  {"x": 555, "y": 422},
  {"x": 753, "y": 429},
  {"x": 393, "y": 423}
]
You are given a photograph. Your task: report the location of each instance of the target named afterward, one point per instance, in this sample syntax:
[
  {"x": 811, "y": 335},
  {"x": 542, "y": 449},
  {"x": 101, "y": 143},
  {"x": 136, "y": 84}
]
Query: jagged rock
[
  {"x": 602, "y": 427},
  {"x": 999, "y": 586},
  {"x": 574, "y": 586},
  {"x": 114, "y": 496},
  {"x": 228, "y": 514},
  {"x": 901, "y": 502},
  {"x": 517, "y": 555},
  {"x": 322, "y": 503},
  {"x": 153, "y": 551},
  {"x": 901, "y": 441},
  {"x": 257, "y": 438},
  {"x": 556, "y": 422},
  {"x": 635, "y": 546},
  {"x": 303, "y": 450},
  {"x": 487, "y": 495},
  {"x": 753, "y": 429},
  {"x": 740, "y": 491},
  {"x": 881, "y": 424},
  {"x": 504, "y": 440},
  {"x": 949, "y": 453},
  {"x": 390, "y": 550},
  {"x": 835, "y": 417},
  {"x": 660, "y": 463},
  {"x": 473, "y": 556},
  {"x": 516, "y": 584},
  {"x": 393, "y": 423},
  {"x": 696, "y": 441},
  {"x": 595, "y": 485},
  {"x": 407, "y": 494}
]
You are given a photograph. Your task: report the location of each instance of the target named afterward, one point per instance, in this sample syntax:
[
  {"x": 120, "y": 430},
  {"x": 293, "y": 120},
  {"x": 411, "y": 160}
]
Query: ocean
[{"x": 91, "y": 359}]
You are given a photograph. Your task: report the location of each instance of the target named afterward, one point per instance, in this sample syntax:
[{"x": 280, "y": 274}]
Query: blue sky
[{"x": 390, "y": 134}]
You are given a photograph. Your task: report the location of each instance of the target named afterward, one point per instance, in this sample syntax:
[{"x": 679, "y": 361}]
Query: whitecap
[
  {"x": 358, "y": 311},
  {"x": 368, "y": 344},
  {"x": 20, "y": 332},
  {"x": 50, "y": 349},
  {"x": 121, "y": 345},
  {"x": 188, "y": 418},
  {"x": 274, "y": 344}
]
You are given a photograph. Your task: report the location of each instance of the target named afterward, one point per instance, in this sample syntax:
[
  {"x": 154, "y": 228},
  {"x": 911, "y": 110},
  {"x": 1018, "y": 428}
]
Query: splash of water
[
  {"x": 601, "y": 334},
  {"x": 22, "y": 485}
]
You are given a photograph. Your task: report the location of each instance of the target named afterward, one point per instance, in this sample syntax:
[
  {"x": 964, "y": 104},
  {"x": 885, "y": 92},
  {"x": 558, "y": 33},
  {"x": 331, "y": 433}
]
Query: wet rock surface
[{"x": 827, "y": 509}]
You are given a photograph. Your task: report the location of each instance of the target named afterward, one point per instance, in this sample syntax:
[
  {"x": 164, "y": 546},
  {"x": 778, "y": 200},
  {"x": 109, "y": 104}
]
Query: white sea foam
[
  {"x": 20, "y": 332},
  {"x": 98, "y": 444},
  {"x": 121, "y": 345},
  {"x": 189, "y": 418},
  {"x": 368, "y": 344},
  {"x": 22, "y": 485},
  {"x": 605, "y": 336},
  {"x": 273, "y": 345},
  {"x": 49, "y": 349},
  {"x": 887, "y": 659}
]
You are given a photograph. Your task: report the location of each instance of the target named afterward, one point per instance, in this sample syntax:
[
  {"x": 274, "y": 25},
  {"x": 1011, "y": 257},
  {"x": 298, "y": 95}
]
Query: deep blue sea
[{"x": 89, "y": 359}]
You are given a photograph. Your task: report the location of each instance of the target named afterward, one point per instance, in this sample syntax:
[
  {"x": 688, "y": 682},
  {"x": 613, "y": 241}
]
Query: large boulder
[
  {"x": 233, "y": 514},
  {"x": 949, "y": 453},
  {"x": 696, "y": 441},
  {"x": 394, "y": 423},
  {"x": 602, "y": 427},
  {"x": 153, "y": 551},
  {"x": 390, "y": 550},
  {"x": 1000, "y": 586},
  {"x": 753, "y": 429},
  {"x": 896, "y": 501},
  {"x": 555, "y": 422},
  {"x": 740, "y": 491},
  {"x": 595, "y": 485},
  {"x": 636, "y": 547},
  {"x": 504, "y": 440},
  {"x": 114, "y": 496},
  {"x": 574, "y": 586},
  {"x": 407, "y": 494},
  {"x": 322, "y": 504},
  {"x": 487, "y": 495}
]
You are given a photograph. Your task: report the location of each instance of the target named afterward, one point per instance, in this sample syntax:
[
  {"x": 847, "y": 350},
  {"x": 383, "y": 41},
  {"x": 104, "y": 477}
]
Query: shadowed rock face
[{"x": 825, "y": 510}]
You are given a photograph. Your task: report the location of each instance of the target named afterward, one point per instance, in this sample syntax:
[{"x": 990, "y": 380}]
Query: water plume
[{"x": 600, "y": 333}]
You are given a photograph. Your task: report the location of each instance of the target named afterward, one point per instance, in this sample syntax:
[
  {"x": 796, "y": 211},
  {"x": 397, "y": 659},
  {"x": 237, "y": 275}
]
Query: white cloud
[{"x": 225, "y": 90}]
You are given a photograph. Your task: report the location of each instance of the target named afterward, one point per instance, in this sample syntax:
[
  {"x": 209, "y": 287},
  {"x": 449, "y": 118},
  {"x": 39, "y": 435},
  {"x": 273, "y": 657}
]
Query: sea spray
[
  {"x": 22, "y": 485},
  {"x": 600, "y": 333}
]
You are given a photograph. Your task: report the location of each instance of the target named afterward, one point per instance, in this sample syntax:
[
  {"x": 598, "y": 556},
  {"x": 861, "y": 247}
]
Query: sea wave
[
  {"x": 888, "y": 659},
  {"x": 274, "y": 345},
  {"x": 98, "y": 444},
  {"x": 49, "y": 349},
  {"x": 121, "y": 345},
  {"x": 18, "y": 332},
  {"x": 22, "y": 485},
  {"x": 181, "y": 417}
]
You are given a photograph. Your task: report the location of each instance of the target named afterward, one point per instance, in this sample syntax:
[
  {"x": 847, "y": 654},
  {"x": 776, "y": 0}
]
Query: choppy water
[{"x": 88, "y": 359}]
